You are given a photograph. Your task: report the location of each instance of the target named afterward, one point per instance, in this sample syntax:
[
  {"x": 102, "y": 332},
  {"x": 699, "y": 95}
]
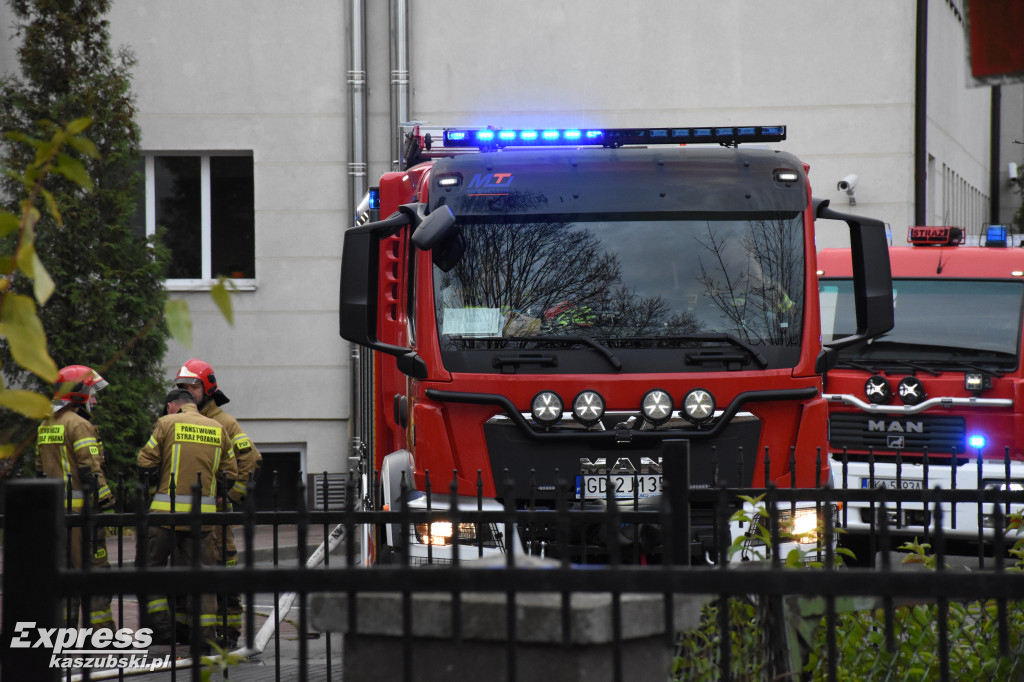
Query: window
[{"x": 206, "y": 205}]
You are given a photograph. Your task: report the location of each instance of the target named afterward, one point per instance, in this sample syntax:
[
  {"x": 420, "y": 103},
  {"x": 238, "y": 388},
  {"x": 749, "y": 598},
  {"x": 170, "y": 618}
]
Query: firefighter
[
  {"x": 185, "y": 448},
  {"x": 198, "y": 377},
  {"x": 68, "y": 448}
]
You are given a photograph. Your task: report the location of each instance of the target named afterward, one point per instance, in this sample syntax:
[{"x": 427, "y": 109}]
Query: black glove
[
  {"x": 149, "y": 477},
  {"x": 85, "y": 478}
]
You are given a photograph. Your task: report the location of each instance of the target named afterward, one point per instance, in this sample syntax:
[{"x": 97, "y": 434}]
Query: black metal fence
[{"x": 802, "y": 615}]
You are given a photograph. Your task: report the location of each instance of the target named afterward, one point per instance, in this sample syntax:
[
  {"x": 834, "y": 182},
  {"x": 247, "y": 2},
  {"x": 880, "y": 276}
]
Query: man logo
[
  {"x": 895, "y": 426},
  {"x": 895, "y": 442}
]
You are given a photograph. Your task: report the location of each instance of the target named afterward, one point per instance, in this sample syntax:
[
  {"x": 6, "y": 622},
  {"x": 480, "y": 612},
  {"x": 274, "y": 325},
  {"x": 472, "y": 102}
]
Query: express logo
[
  {"x": 490, "y": 181},
  {"x": 77, "y": 647}
]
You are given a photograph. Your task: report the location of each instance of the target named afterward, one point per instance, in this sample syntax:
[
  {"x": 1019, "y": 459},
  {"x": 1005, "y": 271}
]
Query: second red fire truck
[{"x": 936, "y": 401}]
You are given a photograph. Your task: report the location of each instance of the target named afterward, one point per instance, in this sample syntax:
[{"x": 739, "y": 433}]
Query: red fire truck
[
  {"x": 550, "y": 307},
  {"x": 932, "y": 402}
]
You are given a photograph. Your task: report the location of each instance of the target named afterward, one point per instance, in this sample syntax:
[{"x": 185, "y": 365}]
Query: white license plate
[
  {"x": 622, "y": 485},
  {"x": 892, "y": 483}
]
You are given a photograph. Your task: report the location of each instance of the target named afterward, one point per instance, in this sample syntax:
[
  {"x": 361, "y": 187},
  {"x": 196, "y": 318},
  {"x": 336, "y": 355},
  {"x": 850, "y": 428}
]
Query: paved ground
[{"x": 280, "y": 658}]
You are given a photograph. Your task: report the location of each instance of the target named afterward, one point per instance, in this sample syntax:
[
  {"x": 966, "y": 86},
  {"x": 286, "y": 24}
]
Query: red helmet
[
  {"x": 78, "y": 384},
  {"x": 197, "y": 372}
]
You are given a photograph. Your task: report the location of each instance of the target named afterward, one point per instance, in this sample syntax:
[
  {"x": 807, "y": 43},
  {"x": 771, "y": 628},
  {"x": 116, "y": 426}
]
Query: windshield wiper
[
  {"x": 872, "y": 365},
  {"x": 574, "y": 340},
  {"x": 728, "y": 338}
]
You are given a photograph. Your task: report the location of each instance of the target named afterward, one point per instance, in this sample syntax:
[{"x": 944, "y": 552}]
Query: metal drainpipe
[
  {"x": 399, "y": 77},
  {"x": 995, "y": 136},
  {"x": 357, "y": 102},
  {"x": 357, "y": 188},
  {"x": 921, "y": 115}
]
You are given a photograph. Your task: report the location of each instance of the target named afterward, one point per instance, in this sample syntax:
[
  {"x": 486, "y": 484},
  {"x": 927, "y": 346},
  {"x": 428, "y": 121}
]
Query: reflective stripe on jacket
[
  {"x": 188, "y": 448},
  {"x": 66, "y": 443}
]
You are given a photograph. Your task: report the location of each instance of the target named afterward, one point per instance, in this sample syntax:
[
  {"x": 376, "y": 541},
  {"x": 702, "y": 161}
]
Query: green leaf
[
  {"x": 77, "y": 126},
  {"x": 28, "y": 403},
  {"x": 74, "y": 170},
  {"x": 18, "y": 136},
  {"x": 31, "y": 216},
  {"x": 20, "y": 325},
  {"x": 179, "y": 322},
  {"x": 9, "y": 223},
  {"x": 29, "y": 263},
  {"x": 51, "y": 206},
  {"x": 85, "y": 146},
  {"x": 222, "y": 297}
]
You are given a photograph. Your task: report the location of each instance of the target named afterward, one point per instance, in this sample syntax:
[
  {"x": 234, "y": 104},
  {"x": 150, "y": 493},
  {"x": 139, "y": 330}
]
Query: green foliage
[
  {"x": 20, "y": 326},
  {"x": 862, "y": 649},
  {"x": 107, "y": 303},
  {"x": 220, "y": 663}
]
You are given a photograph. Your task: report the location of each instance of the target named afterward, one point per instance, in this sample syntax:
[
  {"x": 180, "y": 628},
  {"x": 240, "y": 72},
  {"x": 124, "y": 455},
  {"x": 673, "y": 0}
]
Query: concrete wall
[
  {"x": 270, "y": 77},
  {"x": 1011, "y": 149},
  {"x": 840, "y": 76}
]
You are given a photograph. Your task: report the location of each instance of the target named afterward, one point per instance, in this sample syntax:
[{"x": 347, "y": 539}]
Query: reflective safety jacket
[
  {"x": 247, "y": 456},
  {"x": 68, "y": 444},
  {"x": 188, "y": 447}
]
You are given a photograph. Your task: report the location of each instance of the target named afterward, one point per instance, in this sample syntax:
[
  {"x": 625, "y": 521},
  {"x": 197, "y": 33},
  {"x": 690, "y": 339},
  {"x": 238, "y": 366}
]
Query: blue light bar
[
  {"x": 995, "y": 235},
  {"x": 490, "y": 138},
  {"x": 976, "y": 441},
  {"x": 374, "y": 197}
]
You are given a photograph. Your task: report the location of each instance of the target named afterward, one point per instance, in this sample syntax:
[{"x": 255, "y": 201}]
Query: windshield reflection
[
  {"x": 936, "y": 319},
  {"x": 629, "y": 283}
]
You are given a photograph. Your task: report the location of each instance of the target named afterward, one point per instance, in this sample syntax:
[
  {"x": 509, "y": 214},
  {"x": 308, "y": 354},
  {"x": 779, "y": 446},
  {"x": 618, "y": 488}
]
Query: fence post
[
  {"x": 33, "y": 538},
  {"x": 675, "y": 467}
]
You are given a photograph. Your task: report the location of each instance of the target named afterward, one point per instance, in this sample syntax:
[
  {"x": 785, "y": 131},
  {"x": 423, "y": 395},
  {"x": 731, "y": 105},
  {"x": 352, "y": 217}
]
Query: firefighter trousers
[
  {"x": 167, "y": 545},
  {"x": 230, "y": 603},
  {"x": 97, "y": 615}
]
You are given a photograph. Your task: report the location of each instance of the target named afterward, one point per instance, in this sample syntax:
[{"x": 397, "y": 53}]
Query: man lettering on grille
[
  {"x": 197, "y": 377},
  {"x": 185, "y": 448},
  {"x": 68, "y": 448}
]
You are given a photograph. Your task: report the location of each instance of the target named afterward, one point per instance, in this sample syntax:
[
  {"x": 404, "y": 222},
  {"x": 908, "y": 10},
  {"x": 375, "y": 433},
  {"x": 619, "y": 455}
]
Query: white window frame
[{"x": 206, "y": 280}]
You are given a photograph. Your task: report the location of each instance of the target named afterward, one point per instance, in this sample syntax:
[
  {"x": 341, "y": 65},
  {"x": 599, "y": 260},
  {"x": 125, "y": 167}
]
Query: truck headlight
[
  {"x": 656, "y": 406},
  {"x": 805, "y": 525},
  {"x": 546, "y": 408},
  {"x": 698, "y": 406},
  {"x": 1002, "y": 484},
  {"x": 441, "y": 533}
]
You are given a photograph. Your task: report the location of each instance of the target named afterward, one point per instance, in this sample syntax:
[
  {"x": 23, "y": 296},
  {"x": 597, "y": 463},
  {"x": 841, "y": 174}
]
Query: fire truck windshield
[
  {"x": 634, "y": 281},
  {"x": 937, "y": 320}
]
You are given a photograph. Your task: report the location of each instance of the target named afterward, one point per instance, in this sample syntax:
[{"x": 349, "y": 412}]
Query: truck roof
[
  {"x": 623, "y": 179},
  {"x": 953, "y": 262}
]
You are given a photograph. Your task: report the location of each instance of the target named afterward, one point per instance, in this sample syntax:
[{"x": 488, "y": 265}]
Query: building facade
[{"x": 263, "y": 122}]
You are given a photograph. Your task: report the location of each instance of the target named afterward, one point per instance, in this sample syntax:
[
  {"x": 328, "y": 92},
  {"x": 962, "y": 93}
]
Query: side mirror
[
  {"x": 827, "y": 359},
  {"x": 872, "y": 276},
  {"x": 357, "y": 309},
  {"x": 433, "y": 228}
]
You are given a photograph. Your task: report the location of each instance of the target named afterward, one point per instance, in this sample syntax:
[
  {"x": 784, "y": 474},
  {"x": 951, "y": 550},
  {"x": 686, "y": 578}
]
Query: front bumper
[{"x": 911, "y": 519}]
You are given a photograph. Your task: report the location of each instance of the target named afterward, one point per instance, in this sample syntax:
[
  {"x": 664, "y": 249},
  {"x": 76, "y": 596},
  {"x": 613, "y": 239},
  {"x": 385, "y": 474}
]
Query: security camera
[{"x": 847, "y": 184}]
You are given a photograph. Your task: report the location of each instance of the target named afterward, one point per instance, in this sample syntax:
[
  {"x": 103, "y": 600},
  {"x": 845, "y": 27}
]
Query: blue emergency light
[
  {"x": 976, "y": 441},
  {"x": 995, "y": 235},
  {"x": 374, "y": 197},
  {"x": 490, "y": 138}
]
